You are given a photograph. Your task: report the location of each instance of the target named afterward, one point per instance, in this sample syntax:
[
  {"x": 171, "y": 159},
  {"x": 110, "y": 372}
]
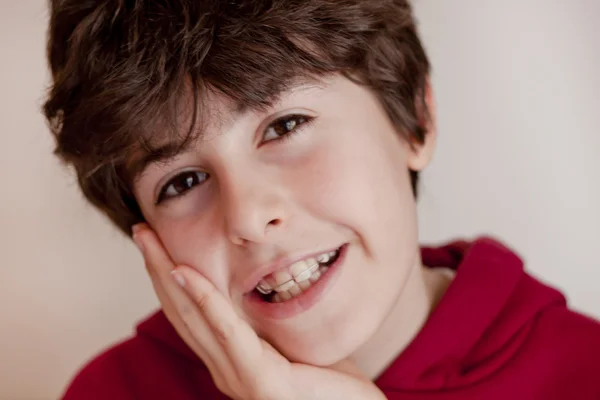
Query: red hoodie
[{"x": 497, "y": 334}]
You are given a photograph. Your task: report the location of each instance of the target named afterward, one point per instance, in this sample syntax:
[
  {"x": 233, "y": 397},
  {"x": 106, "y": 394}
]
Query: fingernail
[
  {"x": 138, "y": 241},
  {"x": 178, "y": 278},
  {"x": 135, "y": 229}
]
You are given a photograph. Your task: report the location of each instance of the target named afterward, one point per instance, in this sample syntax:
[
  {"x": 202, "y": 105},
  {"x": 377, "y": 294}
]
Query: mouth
[
  {"x": 286, "y": 298},
  {"x": 284, "y": 286}
]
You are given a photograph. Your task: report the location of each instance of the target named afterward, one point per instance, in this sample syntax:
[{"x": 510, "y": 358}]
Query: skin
[{"x": 340, "y": 179}]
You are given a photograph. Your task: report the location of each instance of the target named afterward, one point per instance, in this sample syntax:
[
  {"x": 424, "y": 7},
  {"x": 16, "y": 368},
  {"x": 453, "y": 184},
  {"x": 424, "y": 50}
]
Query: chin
[
  {"x": 327, "y": 353},
  {"x": 324, "y": 347}
]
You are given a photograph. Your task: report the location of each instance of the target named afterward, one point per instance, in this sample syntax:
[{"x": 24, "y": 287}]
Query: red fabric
[{"x": 497, "y": 334}]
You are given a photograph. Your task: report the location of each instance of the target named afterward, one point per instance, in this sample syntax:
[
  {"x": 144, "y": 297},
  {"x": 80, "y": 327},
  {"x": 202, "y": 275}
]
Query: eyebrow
[
  {"x": 169, "y": 150},
  {"x": 157, "y": 155}
]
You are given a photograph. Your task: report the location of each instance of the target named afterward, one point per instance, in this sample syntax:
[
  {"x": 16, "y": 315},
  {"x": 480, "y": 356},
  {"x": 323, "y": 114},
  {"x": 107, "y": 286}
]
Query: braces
[{"x": 266, "y": 291}]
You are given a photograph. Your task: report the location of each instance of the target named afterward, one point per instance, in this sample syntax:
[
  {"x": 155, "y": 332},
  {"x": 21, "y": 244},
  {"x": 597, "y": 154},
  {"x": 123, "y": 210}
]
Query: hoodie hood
[{"x": 481, "y": 322}]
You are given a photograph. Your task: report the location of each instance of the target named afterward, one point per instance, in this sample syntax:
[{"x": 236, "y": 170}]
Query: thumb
[{"x": 349, "y": 367}]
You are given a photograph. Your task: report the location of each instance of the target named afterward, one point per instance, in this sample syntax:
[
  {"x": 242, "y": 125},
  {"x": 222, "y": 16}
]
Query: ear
[{"x": 420, "y": 154}]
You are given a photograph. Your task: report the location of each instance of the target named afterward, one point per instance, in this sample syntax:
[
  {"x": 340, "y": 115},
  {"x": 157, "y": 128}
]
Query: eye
[
  {"x": 180, "y": 184},
  {"x": 285, "y": 126}
]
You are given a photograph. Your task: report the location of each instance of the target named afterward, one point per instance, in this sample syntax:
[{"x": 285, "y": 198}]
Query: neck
[{"x": 422, "y": 291}]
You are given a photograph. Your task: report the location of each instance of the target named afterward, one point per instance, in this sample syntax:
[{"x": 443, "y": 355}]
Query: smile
[
  {"x": 280, "y": 295},
  {"x": 283, "y": 286}
]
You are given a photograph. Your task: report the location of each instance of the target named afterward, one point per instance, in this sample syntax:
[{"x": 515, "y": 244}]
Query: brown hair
[{"x": 119, "y": 69}]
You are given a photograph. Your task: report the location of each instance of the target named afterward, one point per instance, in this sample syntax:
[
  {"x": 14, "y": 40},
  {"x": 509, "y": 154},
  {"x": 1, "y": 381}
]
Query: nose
[{"x": 253, "y": 210}]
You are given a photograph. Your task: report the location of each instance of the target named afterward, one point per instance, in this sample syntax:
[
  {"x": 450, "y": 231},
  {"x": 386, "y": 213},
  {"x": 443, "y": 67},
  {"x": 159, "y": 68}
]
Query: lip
[
  {"x": 257, "y": 307},
  {"x": 280, "y": 264}
]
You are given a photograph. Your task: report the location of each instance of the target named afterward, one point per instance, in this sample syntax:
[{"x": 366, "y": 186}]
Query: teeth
[
  {"x": 315, "y": 276},
  {"x": 303, "y": 276},
  {"x": 285, "y": 286},
  {"x": 295, "y": 290},
  {"x": 300, "y": 267},
  {"x": 304, "y": 285},
  {"x": 323, "y": 258},
  {"x": 291, "y": 289},
  {"x": 264, "y": 288},
  {"x": 307, "y": 273},
  {"x": 284, "y": 296},
  {"x": 299, "y": 277},
  {"x": 280, "y": 277}
]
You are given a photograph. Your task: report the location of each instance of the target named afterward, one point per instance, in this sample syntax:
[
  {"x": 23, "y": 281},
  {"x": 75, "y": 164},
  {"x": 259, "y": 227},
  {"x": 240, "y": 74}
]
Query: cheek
[
  {"x": 188, "y": 242},
  {"x": 358, "y": 179}
]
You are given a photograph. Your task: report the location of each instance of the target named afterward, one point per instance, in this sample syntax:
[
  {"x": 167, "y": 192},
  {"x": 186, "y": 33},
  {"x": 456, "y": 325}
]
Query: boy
[{"x": 264, "y": 156}]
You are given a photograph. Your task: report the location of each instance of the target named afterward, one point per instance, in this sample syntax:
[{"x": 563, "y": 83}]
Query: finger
[
  {"x": 182, "y": 329},
  {"x": 348, "y": 367},
  {"x": 152, "y": 249},
  {"x": 179, "y": 309},
  {"x": 235, "y": 335}
]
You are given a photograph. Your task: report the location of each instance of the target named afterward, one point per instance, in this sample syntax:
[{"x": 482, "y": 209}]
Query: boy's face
[{"x": 259, "y": 192}]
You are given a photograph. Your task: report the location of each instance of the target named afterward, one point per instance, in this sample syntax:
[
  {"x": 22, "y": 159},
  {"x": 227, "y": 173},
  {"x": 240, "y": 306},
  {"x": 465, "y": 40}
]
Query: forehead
[{"x": 199, "y": 114}]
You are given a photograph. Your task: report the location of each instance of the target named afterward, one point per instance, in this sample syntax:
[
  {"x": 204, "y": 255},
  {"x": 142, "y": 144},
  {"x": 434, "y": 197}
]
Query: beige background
[{"x": 519, "y": 98}]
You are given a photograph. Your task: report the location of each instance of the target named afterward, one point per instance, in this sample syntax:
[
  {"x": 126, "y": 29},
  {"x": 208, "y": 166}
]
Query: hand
[{"x": 242, "y": 365}]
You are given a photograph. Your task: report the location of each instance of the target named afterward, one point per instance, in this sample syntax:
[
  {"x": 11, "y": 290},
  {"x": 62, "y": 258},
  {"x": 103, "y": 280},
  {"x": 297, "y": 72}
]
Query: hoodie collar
[{"x": 480, "y": 322}]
